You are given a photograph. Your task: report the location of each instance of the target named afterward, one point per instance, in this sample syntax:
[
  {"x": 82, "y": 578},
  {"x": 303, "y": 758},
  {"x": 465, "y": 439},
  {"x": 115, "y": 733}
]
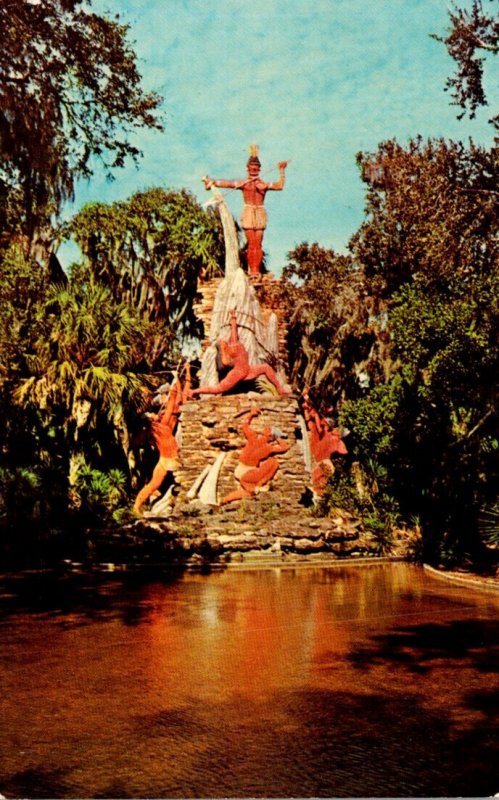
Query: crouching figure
[{"x": 257, "y": 462}]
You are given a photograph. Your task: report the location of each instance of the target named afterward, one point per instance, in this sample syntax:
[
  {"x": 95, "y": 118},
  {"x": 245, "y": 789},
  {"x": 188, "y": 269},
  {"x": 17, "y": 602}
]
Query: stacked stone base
[
  {"x": 213, "y": 426},
  {"x": 273, "y": 527},
  {"x": 215, "y": 541}
]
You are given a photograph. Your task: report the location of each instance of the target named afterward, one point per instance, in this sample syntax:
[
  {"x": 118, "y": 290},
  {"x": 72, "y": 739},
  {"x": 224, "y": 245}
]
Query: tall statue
[
  {"x": 234, "y": 354},
  {"x": 254, "y": 217},
  {"x": 163, "y": 425},
  {"x": 324, "y": 442},
  {"x": 255, "y": 468}
]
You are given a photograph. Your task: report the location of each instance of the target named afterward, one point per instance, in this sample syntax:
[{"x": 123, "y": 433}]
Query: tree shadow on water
[
  {"x": 391, "y": 743},
  {"x": 293, "y": 743},
  {"x": 347, "y": 745},
  {"x": 421, "y": 648},
  {"x": 465, "y": 758},
  {"x": 76, "y": 599},
  {"x": 309, "y": 743},
  {"x": 38, "y": 782}
]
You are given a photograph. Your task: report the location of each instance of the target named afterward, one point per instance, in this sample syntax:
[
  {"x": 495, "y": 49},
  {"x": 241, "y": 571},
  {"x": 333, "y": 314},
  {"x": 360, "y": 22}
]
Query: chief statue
[{"x": 254, "y": 216}]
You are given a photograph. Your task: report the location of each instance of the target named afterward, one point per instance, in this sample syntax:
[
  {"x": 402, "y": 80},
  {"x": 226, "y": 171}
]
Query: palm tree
[
  {"x": 87, "y": 367},
  {"x": 150, "y": 251}
]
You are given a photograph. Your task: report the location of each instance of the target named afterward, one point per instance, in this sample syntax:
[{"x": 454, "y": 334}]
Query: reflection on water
[{"x": 360, "y": 681}]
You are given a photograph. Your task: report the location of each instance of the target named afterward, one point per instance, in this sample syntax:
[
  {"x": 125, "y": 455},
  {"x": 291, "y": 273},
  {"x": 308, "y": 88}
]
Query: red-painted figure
[
  {"x": 254, "y": 217},
  {"x": 163, "y": 426},
  {"x": 257, "y": 464},
  {"x": 324, "y": 442},
  {"x": 235, "y": 355}
]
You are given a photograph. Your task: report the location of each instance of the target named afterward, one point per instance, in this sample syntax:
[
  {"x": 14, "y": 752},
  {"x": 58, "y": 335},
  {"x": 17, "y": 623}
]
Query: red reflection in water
[{"x": 265, "y": 683}]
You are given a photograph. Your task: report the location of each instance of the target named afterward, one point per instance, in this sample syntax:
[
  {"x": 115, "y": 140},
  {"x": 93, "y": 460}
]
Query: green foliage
[
  {"x": 78, "y": 358},
  {"x": 244, "y": 510},
  {"x": 30, "y": 481},
  {"x": 150, "y": 252},
  {"x": 77, "y": 373},
  {"x": 340, "y": 492},
  {"x": 19, "y": 490},
  {"x": 101, "y": 496},
  {"x": 450, "y": 344},
  {"x": 184, "y": 529},
  {"x": 268, "y": 509},
  {"x": 381, "y": 524},
  {"x": 21, "y": 287},
  {"x": 70, "y": 96},
  {"x": 329, "y": 325},
  {"x": 424, "y": 405},
  {"x": 87, "y": 348},
  {"x": 326, "y": 275},
  {"x": 360, "y": 491},
  {"x": 307, "y": 262},
  {"x": 32, "y": 504},
  {"x": 11, "y": 215},
  {"x": 431, "y": 216},
  {"x": 489, "y": 524},
  {"x": 375, "y": 418}
]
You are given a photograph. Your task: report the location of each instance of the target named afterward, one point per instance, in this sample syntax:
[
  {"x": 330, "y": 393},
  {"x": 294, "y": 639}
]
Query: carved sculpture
[
  {"x": 231, "y": 239},
  {"x": 205, "y": 486},
  {"x": 242, "y": 342},
  {"x": 164, "y": 506},
  {"x": 324, "y": 442},
  {"x": 234, "y": 354},
  {"x": 260, "y": 337},
  {"x": 254, "y": 217},
  {"x": 163, "y": 426},
  {"x": 257, "y": 464}
]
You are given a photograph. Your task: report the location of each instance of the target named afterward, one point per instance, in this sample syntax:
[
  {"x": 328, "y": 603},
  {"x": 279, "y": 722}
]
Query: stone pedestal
[{"x": 214, "y": 426}]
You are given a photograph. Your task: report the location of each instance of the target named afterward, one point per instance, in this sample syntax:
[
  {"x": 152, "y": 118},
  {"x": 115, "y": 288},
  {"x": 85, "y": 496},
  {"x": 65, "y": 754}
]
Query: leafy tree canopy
[
  {"x": 431, "y": 214},
  {"x": 70, "y": 94},
  {"x": 86, "y": 348},
  {"x": 404, "y": 334},
  {"x": 150, "y": 251},
  {"x": 329, "y": 323},
  {"x": 22, "y": 289},
  {"x": 87, "y": 372},
  {"x": 73, "y": 372}
]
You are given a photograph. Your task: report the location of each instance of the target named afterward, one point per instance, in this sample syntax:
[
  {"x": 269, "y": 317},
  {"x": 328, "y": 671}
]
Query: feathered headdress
[{"x": 253, "y": 157}]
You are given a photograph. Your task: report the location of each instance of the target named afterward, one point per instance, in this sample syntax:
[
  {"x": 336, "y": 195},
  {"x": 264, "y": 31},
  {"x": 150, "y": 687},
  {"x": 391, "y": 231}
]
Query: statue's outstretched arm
[
  {"x": 209, "y": 182},
  {"x": 247, "y": 430},
  {"x": 279, "y": 185},
  {"x": 170, "y": 412}
]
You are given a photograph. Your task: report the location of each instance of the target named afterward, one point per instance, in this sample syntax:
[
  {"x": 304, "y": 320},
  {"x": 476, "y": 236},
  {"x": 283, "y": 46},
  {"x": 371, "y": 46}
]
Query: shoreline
[
  {"x": 462, "y": 578},
  {"x": 472, "y": 580}
]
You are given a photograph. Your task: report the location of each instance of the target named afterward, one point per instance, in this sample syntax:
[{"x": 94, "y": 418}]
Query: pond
[{"x": 346, "y": 681}]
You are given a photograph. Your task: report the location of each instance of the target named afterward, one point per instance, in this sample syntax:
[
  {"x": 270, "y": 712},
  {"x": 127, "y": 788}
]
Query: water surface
[{"x": 313, "y": 682}]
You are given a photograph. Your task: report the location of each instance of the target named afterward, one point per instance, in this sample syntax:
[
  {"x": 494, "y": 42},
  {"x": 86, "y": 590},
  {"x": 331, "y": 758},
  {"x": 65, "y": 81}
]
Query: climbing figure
[
  {"x": 254, "y": 216},
  {"x": 324, "y": 442},
  {"x": 257, "y": 464},
  {"x": 234, "y": 354},
  {"x": 163, "y": 425}
]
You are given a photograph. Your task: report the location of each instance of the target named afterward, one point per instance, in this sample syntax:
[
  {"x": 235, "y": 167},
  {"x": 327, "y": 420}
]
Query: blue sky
[{"x": 310, "y": 82}]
